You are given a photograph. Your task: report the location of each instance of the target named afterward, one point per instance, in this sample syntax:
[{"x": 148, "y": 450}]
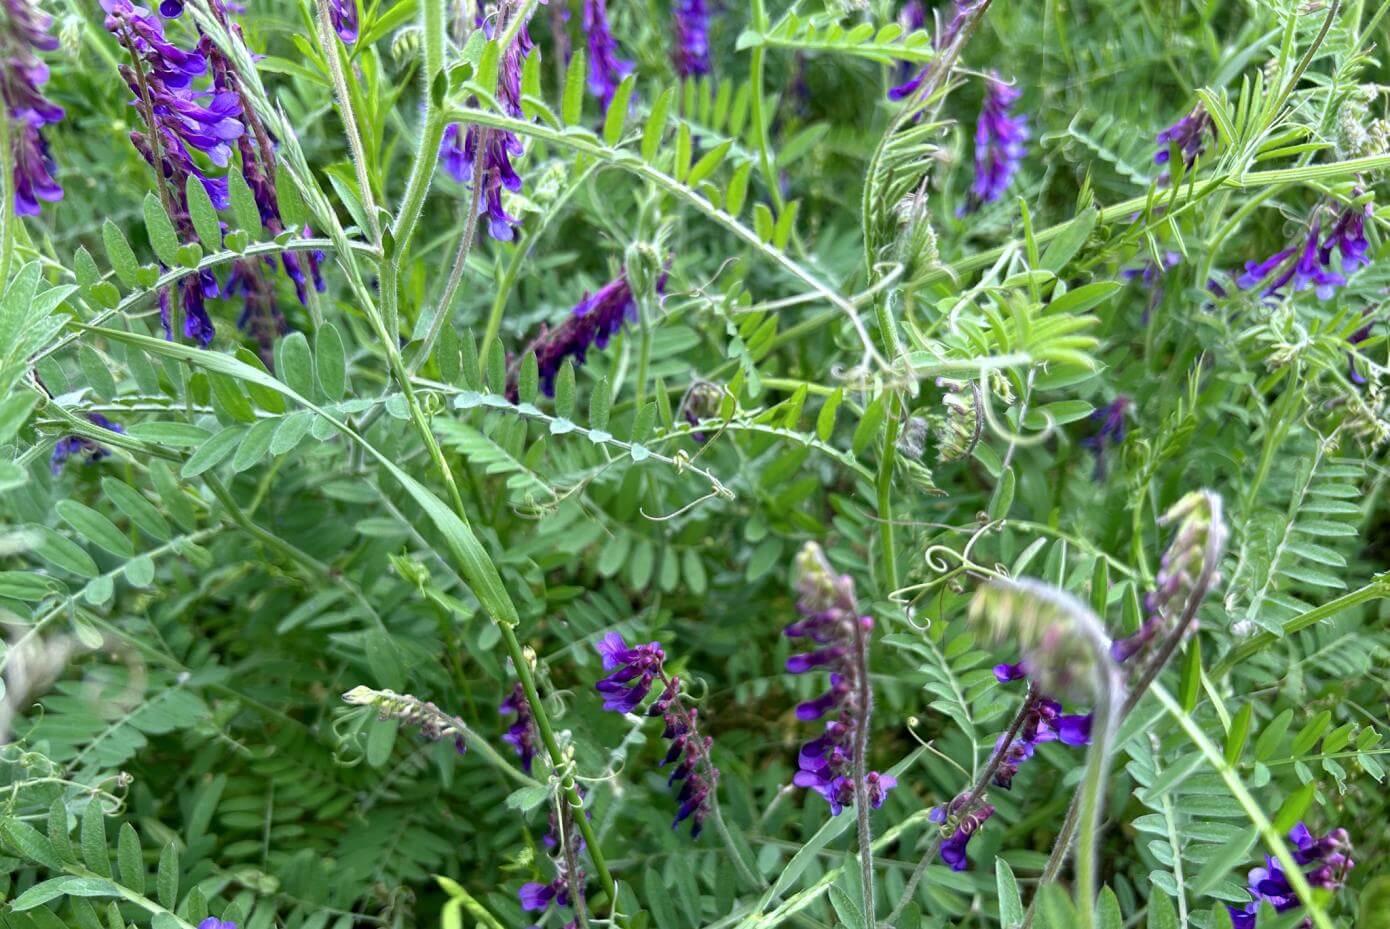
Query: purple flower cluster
[
  {"x": 959, "y": 827},
  {"x": 1110, "y": 430},
  {"x": 999, "y": 144},
  {"x": 634, "y": 670},
  {"x": 912, "y": 17},
  {"x": 23, "y": 33},
  {"x": 536, "y": 897},
  {"x": 72, "y": 445},
  {"x": 343, "y": 15},
  {"x": 193, "y": 291},
  {"x": 606, "y": 69},
  {"x": 830, "y": 619},
  {"x": 593, "y": 321},
  {"x": 460, "y": 150},
  {"x": 691, "y": 24},
  {"x": 1325, "y": 862},
  {"x": 1309, "y": 263},
  {"x": 1043, "y": 721},
  {"x": 521, "y": 734},
  {"x": 1189, "y": 134}
]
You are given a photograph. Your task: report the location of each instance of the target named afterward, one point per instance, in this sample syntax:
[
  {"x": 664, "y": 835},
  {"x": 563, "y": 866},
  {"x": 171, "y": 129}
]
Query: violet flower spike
[
  {"x": 606, "y": 69},
  {"x": 1306, "y": 265},
  {"x": 1189, "y": 134},
  {"x": 24, "y": 32},
  {"x": 691, "y": 27},
  {"x": 999, "y": 144}
]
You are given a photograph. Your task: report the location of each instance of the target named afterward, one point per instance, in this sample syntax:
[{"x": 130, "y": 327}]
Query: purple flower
[
  {"x": 1188, "y": 134},
  {"x": 1151, "y": 274},
  {"x": 139, "y": 29},
  {"x": 1306, "y": 265},
  {"x": 1004, "y": 673},
  {"x": 521, "y": 734},
  {"x": 343, "y": 15},
  {"x": 912, "y": 17},
  {"x": 960, "y": 829},
  {"x": 999, "y": 144},
  {"x": 1325, "y": 862},
  {"x": 260, "y": 315},
  {"x": 80, "y": 445},
  {"x": 1043, "y": 721},
  {"x": 212, "y": 922},
  {"x": 1348, "y": 237},
  {"x": 606, "y": 69},
  {"x": 33, "y": 170},
  {"x": 691, "y": 24},
  {"x": 536, "y": 896},
  {"x": 830, "y": 618}
]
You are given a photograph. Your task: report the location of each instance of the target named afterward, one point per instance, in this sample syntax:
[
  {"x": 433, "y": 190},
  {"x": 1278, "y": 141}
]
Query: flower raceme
[
  {"x": 606, "y": 69},
  {"x": 1308, "y": 264},
  {"x": 24, "y": 32},
  {"x": 595, "y": 319},
  {"x": 634, "y": 671},
  {"x": 521, "y": 734},
  {"x": 691, "y": 27},
  {"x": 999, "y": 143},
  {"x": 830, "y": 620}
]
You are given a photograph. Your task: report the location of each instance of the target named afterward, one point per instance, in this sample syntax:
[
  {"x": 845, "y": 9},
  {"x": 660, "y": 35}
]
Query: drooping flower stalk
[
  {"x": 606, "y": 69},
  {"x": 24, "y": 31},
  {"x": 691, "y": 27},
  {"x": 633, "y": 672},
  {"x": 835, "y": 764},
  {"x": 434, "y": 724},
  {"x": 999, "y": 143},
  {"x": 90, "y": 449},
  {"x": 1325, "y": 862}
]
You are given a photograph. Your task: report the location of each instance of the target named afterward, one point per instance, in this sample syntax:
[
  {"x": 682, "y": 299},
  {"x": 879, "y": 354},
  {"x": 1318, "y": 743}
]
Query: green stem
[
  {"x": 889, "y": 555},
  {"x": 757, "y": 65},
  {"x": 328, "y": 41},
  {"x": 1377, "y": 589},
  {"x": 8, "y": 217},
  {"x": 444, "y": 310}
]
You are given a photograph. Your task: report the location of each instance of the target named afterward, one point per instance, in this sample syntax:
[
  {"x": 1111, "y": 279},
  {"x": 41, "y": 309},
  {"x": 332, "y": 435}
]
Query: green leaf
[
  {"x": 1190, "y": 687},
  {"x": 869, "y": 424},
  {"x": 655, "y": 126},
  {"x": 167, "y": 877},
  {"x": 1294, "y": 806},
  {"x": 244, "y": 209},
  {"x": 66, "y": 886},
  {"x": 616, "y": 116},
  {"x": 1161, "y": 912},
  {"x": 211, "y": 453},
  {"x": 572, "y": 105},
  {"x": 14, "y": 413},
  {"x": 94, "y": 840},
  {"x": 129, "y": 859},
  {"x": 331, "y": 361},
  {"x": 120, "y": 254},
  {"x": 708, "y": 163},
  {"x": 134, "y": 505},
  {"x": 1010, "y": 902},
  {"x": 599, "y": 400},
  {"x": 1240, "y": 731},
  {"x": 1108, "y": 914},
  {"x": 564, "y": 390},
  {"x": 296, "y": 364},
  {"x": 255, "y": 445},
  {"x": 163, "y": 238},
  {"x": 203, "y": 214},
  {"x": 94, "y": 527}
]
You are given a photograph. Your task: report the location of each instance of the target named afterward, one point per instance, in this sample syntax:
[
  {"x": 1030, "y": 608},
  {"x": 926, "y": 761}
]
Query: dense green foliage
[{"x": 825, "y": 348}]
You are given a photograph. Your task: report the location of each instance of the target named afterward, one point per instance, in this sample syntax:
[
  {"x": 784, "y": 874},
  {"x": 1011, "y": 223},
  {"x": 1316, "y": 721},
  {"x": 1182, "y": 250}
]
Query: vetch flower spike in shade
[
  {"x": 1309, "y": 264},
  {"x": 634, "y": 671},
  {"x": 999, "y": 143},
  {"x": 1325, "y": 862},
  {"x": 522, "y": 733},
  {"x": 80, "y": 445},
  {"x": 1188, "y": 134},
  {"x": 831, "y": 622}
]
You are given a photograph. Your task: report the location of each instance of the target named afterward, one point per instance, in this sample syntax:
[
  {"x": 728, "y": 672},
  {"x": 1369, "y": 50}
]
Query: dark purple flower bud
[
  {"x": 80, "y": 445},
  {"x": 1110, "y": 431},
  {"x": 999, "y": 143},
  {"x": 1188, "y": 134},
  {"x": 691, "y": 53},
  {"x": 192, "y": 291},
  {"x": 343, "y": 15},
  {"x": 522, "y": 733},
  {"x": 633, "y": 669},
  {"x": 606, "y": 69}
]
